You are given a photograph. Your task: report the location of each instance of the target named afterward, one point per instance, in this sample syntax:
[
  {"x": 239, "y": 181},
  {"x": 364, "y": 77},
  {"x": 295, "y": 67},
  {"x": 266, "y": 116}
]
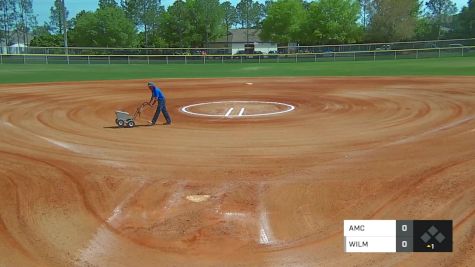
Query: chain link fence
[
  {"x": 302, "y": 54},
  {"x": 91, "y": 51}
]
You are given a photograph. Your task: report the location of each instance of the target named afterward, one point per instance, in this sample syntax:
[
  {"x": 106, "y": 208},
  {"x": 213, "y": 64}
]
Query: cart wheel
[
  {"x": 117, "y": 121},
  {"x": 131, "y": 124},
  {"x": 121, "y": 123}
]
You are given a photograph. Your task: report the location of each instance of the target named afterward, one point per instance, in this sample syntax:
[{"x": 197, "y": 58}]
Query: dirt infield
[{"x": 75, "y": 190}]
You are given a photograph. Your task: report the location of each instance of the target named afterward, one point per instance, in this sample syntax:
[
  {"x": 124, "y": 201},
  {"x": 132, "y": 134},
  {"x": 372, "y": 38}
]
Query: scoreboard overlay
[{"x": 367, "y": 236}]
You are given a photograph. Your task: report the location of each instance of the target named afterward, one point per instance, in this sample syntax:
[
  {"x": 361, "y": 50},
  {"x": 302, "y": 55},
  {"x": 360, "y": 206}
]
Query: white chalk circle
[{"x": 237, "y": 109}]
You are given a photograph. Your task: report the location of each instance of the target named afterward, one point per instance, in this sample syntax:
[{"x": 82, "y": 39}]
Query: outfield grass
[{"x": 19, "y": 73}]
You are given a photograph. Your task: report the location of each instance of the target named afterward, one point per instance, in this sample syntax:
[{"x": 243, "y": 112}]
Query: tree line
[
  {"x": 349, "y": 21},
  {"x": 197, "y": 23}
]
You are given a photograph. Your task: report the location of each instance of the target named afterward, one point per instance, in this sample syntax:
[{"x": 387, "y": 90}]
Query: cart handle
[{"x": 139, "y": 110}]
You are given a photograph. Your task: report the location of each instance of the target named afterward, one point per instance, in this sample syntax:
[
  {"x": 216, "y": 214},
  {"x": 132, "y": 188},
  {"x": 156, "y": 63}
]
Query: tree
[
  {"x": 22, "y": 17},
  {"x": 242, "y": 10},
  {"x": 230, "y": 17},
  {"x": 365, "y": 6},
  {"x": 332, "y": 22},
  {"x": 465, "y": 21},
  {"x": 41, "y": 30},
  {"x": 392, "y": 20},
  {"x": 250, "y": 14},
  {"x": 7, "y": 19},
  {"x": 107, "y": 3},
  {"x": 207, "y": 17},
  {"x": 267, "y": 5},
  {"x": 106, "y": 27},
  {"x": 423, "y": 29},
  {"x": 176, "y": 26},
  {"x": 43, "y": 37},
  {"x": 144, "y": 13},
  {"x": 284, "y": 21},
  {"x": 441, "y": 12},
  {"x": 257, "y": 14},
  {"x": 56, "y": 17},
  {"x": 26, "y": 19}
]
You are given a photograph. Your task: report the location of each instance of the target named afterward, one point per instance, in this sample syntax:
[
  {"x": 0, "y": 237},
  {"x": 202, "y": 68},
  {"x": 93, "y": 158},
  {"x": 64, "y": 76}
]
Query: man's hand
[{"x": 152, "y": 101}]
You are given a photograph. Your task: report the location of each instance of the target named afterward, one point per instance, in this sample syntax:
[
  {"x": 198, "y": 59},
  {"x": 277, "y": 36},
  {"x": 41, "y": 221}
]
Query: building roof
[
  {"x": 18, "y": 45},
  {"x": 240, "y": 36}
]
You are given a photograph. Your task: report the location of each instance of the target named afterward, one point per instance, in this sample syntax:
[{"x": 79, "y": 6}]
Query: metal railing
[{"x": 459, "y": 51}]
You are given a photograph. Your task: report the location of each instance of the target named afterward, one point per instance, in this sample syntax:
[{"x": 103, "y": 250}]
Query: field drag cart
[{"x": 124, "y": 119}]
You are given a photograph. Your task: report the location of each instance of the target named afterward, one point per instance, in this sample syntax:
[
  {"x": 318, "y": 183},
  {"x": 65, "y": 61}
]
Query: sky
[{"x": 41, "y": 7}]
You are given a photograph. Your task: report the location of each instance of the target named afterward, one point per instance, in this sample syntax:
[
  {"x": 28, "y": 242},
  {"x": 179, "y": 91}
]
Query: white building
[
  {"x": 17, "y": 48},
  {"x": 238, "y": 38}
]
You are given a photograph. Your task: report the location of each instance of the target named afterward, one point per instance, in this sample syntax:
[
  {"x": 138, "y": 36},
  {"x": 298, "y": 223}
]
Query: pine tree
[{"x": 56, "y": 17}]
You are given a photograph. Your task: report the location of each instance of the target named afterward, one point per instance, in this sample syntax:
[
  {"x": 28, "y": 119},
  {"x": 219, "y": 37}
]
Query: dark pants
[{"x": 163, "y": 108}]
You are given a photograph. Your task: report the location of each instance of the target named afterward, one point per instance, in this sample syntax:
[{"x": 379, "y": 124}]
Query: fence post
[
  {"x": 46, "y": 59},
  {"x": 241, "y": 59},
  {"x": 88, "y": 60},
  {"x": 259, "y": 57},
  {"x": 148, "y": 60},
  {"x": 128, "y": 60},
  {"x": 186, "y": 59},
  {"x": 278, "y": 59},
  {"x": 417, "y": 54},
  {"x": 204, "y": 59},
  {"x": 222, "y": 59},
  {"x": 24, "y": 59},
  {"x": 296, "y": 57},
  {"x": 374, "y": 55},
  {"x": 109, "y": 59},
  {"x": 395, "y": 55},
  {"x": 166, "y": 58},
  {"x": 334, "y": 56},
  {"x": 1, "y": 59},
  {"x": 462, "y": 51},
  {"x": 354, "y": 56},
  {"x": 315, "y": 57},
  {"x": 439, "y": 52}
]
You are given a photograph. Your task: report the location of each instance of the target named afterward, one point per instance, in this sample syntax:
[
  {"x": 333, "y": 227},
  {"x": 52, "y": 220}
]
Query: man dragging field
[{"x": 157, "y": 95}]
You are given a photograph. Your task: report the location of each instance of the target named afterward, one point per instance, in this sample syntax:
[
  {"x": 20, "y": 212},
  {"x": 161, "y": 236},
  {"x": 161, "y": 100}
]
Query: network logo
[
  {"x": 432, "y": 236},
  {"x": 433, "y": 232}
]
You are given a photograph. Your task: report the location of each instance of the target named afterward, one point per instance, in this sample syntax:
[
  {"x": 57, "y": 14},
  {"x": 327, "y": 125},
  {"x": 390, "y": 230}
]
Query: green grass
[{"x": 19, "y": 73}]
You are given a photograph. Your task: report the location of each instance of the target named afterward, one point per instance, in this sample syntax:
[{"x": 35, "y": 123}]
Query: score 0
[{"x": 404, "y": 236}]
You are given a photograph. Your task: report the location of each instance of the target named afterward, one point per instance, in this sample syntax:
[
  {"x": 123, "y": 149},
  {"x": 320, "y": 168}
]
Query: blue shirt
[{"x": 156, "y": 92}]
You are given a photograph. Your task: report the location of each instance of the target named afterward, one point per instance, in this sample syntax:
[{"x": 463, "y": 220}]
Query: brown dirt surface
[{"x": 75, "y": 190}]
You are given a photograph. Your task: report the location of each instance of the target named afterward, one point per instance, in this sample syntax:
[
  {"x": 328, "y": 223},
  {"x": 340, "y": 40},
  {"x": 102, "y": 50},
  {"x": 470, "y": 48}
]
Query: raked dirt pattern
[{"x": 264, "y": 191}]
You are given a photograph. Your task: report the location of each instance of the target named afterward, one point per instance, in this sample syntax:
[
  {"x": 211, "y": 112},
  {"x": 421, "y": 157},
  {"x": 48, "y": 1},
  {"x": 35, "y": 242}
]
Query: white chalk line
[
  {"x": 102, "y": 242},
  {"x": 241, "y": 112},
  {"x": 9, "y": 124},
  {"x": 103, "y": 237},
  {"x": 67, "y": 146},
  {"x": 289, "y": 109},
  {"x": 265, "y": 230},
  {"x": 265, "y": 234},
  {"x": 235, "y": 215},
  {"x": 118, "y": 209},
  {"x": 229, "y": 112}
]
